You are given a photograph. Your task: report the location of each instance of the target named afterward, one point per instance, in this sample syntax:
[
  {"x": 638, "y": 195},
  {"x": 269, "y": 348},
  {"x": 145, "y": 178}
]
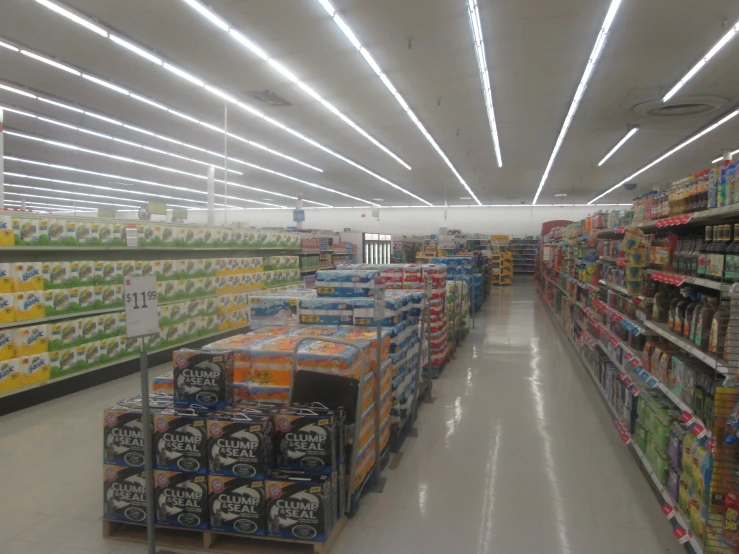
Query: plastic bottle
[
  {"x": 703, "y": 258},
  {"x": 713, "y": 187},
  {"x": 704, "y": 322},
  {"x": 689, "y": 313},
  {"x": 661, "y": 308},
  {"x": 731, "y": 268},
  {"x": 672, "y": 317},
  {"x": 719, "y": 325},
  {"x": 719, "y": 252},
  {"x": 694, "y": 317},
  {"x": 680, "y": 311}
]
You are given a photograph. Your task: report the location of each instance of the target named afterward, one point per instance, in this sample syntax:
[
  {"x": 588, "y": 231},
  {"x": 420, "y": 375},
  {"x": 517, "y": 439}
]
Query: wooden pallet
[{"x": 217, "y": 542}]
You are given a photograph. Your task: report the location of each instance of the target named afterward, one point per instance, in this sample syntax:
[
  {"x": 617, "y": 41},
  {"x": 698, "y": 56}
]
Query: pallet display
[
  {"x": 654, "y": 304},
  {"x": 62, "y": 289},
  {"x": 506, "y": 268},
  {"x": 523, "y": 253}
]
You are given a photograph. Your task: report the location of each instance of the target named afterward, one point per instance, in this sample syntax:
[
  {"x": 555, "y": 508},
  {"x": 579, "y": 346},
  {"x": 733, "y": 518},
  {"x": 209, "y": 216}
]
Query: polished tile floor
[{"x": 517, "y": 455}]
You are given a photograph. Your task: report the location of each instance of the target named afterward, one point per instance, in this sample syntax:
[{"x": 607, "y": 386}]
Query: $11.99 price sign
[{"x": 142, "y": 309}]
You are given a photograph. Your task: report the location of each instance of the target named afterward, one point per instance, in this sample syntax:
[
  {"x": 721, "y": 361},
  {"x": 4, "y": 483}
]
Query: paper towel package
[{"x": 325, "y": 311}]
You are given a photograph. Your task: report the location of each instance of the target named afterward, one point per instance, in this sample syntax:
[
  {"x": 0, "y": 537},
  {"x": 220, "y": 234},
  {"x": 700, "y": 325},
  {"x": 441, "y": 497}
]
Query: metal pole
[
  {"x": 211, "y": 196},
  {"x": 378, "y": 394},
  {"x": 225, "y": 163},
  {"x": 2, "y": 163},
  {"x": 148, "y": 455}
]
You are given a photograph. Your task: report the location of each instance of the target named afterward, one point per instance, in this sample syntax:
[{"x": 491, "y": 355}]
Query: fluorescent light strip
[
  {"x": 86, "y": 194},
  {"x": 703, "y": 61},
  {"x": 668, "y": 154},
  {"x": 116, "y": 139},
  {"x": 473, "y": 11},
  {"x": 291, "y": 131},
  {"x": 58, "y": 198},
  {"x": 17, "y": 91},
  {"x": 41, "y": 205},
  {"x": 398, "y": 97},
  {"x": 74, "y": 17},
  {"x": 153, "y": 183},
  {"x": 101, "y": 187},
  {"x": 51, "y": 62},
  {"x": 150, "y": 102},
  {"x": 123, "y": 141},
  {"x": 9, "y": 46},
  {"x": 135, "y": 49},
  {"x": 99, "y": 153},
  {"x": 630, "y": 134},
  {"x": 580, "y": 91},
  {"x": 285, "y": 72},
  {"x": 474, "y": 206}
]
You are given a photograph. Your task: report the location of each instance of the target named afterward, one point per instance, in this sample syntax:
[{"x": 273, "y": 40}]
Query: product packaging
[{"x": 203, "y": 378}]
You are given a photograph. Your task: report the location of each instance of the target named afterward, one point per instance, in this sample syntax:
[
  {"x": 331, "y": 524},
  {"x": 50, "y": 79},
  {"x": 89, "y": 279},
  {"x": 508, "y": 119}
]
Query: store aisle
[{"x": 517, "y": 454}]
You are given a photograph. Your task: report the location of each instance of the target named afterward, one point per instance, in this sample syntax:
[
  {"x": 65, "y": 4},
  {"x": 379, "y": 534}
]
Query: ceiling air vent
[
  {"x": 268, "y": 97},
  {"x": 681, "y": 107}
]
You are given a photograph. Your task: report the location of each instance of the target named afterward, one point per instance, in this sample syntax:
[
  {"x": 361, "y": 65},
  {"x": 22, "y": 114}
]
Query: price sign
[
  {"x": 687, "y": 418},
  {"x": 142, "y": 310},
  {"x": 682, "y": 535},
  {"x": 698, "y": 430},
  {"x": 669, "y": 511}
]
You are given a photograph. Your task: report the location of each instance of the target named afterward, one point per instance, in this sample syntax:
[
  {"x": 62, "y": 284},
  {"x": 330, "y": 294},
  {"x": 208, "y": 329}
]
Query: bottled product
[
  {"x": 718, "y": 328},
  {"x": 718, "y": 257},
  {"x": 673, "y": 312},
  {"x": 680, "y": 311},
  {"x": 661, "y": 307},
  {"x": 731, "y": 266},
  {"x": 696, "y": 314},
  {"x": 703, "y": 257},
  {"x": 689, "y": 313},
  {"x": 704, "y": 321},
  {"x": 713, "y": 177}
]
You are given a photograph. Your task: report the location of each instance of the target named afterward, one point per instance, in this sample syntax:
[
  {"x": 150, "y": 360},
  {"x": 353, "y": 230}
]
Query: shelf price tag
[
  {"x": 687, "y": 418},
  {"x": 682, "y": 535},
  {"x": 142, "y": 310},
  {"x": 669, "y": 511},
  {"x": 628, "y": 356},
  {"x": 698, "y": 430}
]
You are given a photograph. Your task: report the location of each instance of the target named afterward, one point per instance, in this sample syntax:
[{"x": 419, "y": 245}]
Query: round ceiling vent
[{"x": 681, "y": 107}]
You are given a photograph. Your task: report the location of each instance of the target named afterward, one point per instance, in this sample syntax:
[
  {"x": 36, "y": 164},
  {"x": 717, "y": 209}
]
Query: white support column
[
  {"x": 211, "y": 196},
  {"x": 299, "y": 206},
  {"x": 2, "y": 163}
]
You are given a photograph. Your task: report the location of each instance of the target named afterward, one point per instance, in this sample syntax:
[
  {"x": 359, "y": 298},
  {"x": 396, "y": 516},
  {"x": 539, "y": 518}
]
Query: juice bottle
[
  {"x": 689, "y": 313},
  {"x": 719, "y": 325},
  {"x": 704, "y": 322},
  {"x": 703, "y": 259}
]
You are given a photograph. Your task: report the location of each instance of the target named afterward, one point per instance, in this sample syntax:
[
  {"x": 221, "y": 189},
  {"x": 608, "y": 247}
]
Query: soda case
[{"x": 237, "y": 505}]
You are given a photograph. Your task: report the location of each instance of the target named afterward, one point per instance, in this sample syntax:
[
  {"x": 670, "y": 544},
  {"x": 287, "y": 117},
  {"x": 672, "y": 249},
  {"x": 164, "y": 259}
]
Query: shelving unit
[{"x": 523, "y": 254}]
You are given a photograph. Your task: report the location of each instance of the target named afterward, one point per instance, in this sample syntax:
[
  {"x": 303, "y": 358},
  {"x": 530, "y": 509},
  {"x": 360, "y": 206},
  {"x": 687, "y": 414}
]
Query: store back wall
[{"x": 516, "y": 221}]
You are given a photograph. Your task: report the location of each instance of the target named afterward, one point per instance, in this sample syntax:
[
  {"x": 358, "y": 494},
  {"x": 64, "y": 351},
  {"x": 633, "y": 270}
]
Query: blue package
[
  {"x": 322, "y": 311},
  {"x": 346, "y": 283}
]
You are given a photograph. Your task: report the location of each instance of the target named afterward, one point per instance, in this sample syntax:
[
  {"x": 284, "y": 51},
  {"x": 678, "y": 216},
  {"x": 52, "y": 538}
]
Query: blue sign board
[{"x": 298, "y": 215}]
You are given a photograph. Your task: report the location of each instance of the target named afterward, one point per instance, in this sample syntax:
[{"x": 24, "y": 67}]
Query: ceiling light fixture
[
  {"x": 580, "y": 91},
  {"x": 668, "y": 154},
  {"x": 9, "y": 46},
  {"x": 73, "y": 16},
  {"x": 51, "y": 62},
  {"x": 285, "y": 72},
  {"x": 201, "y": 162},
  {"x": 703, "y": 61},
  {"x": 86, "y": 194},
  {"x": 17, "y": 91},
  {"x": 105, "y": 84},
  {"x": 389, "y": 85},
  {"x": 473, "y": 11},
  {"x": 135, "y": 49},
  {"x": 101, "y": 187},
  {"x": 27, "y": 195},
  {"x": 59, "y": 104},
  {"x": 630, "y": 134}
]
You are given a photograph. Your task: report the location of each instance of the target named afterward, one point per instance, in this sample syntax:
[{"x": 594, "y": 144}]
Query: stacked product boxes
[
  {"x": 233, "y": 467},
  {"x": 49, "y": 231},
  {"x": 415, "y": 277}
]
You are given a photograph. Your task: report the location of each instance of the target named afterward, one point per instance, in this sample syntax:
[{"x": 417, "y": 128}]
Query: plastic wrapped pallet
[
  {"x": 349, "y": 284},
  {"x": 326, "y": 310}
]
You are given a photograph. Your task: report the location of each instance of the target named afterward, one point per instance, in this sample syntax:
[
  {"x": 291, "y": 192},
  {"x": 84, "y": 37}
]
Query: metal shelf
[
  {"x": 114, "y": 362},
  {"x": 615, "y": 287},
  {"x": 639, "y": 456},
  {"x": 686, "y": 345}
]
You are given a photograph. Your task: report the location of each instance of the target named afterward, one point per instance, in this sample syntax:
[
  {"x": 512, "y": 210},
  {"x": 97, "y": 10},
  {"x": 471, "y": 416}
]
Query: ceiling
[{"x": 536, "y": 51}]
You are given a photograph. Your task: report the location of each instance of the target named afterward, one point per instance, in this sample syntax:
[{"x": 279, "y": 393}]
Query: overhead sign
[
  {"x": 179, "y": 212},
  {"x": 158, "y": 208},
  {"x": 298, "y": 215},
  {"x": 106, "y": 212},
  {"x": 142, "y": 309}
]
